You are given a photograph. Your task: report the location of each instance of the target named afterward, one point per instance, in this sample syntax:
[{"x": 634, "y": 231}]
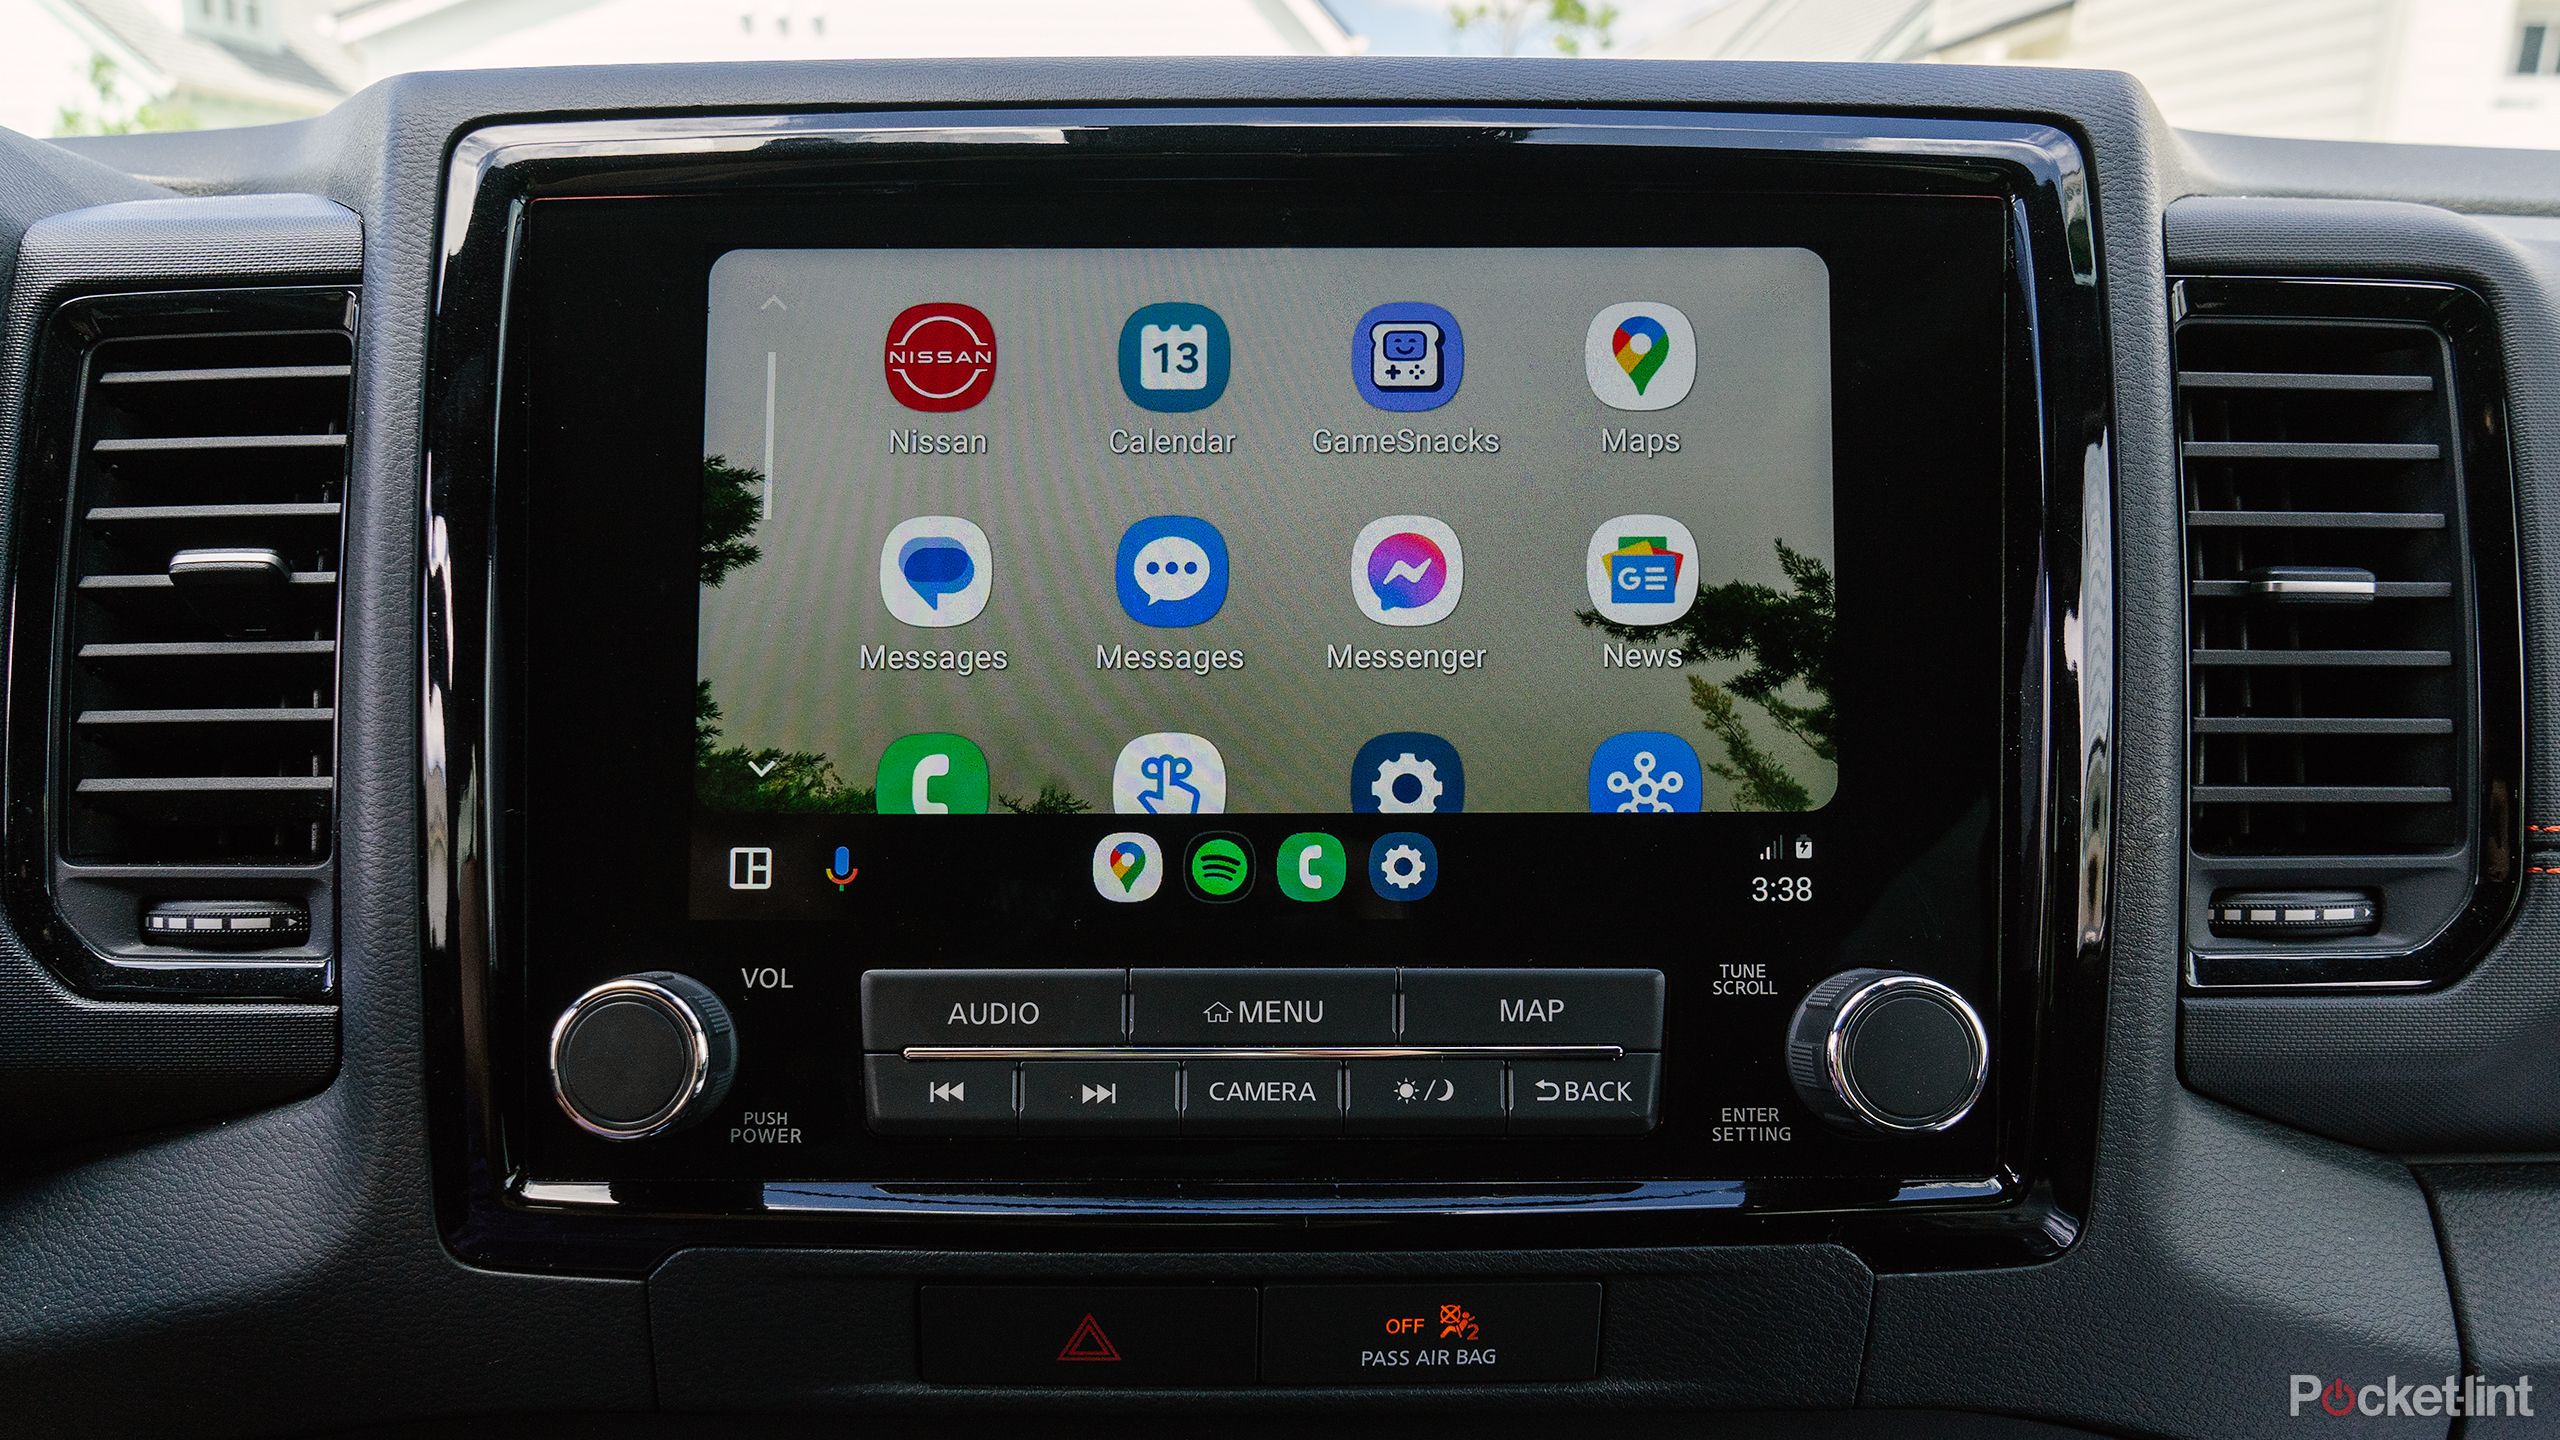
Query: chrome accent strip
[
  {"x": 597, "y": 1194},
  {"x": 1261, "y": 1052},
  {"x": 962, "y": 1201},
  {"x": 1916, "y": 1192}
]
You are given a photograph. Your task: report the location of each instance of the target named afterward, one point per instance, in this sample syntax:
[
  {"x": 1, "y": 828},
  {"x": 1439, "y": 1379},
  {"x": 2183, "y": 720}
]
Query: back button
[
  {"x": 1191, "y": 1335},
  {"x": 1585, "y": 1097}
]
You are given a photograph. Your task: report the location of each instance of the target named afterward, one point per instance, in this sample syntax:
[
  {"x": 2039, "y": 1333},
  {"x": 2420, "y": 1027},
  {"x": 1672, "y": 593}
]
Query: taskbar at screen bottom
[{"x": 1117, "y": 871}]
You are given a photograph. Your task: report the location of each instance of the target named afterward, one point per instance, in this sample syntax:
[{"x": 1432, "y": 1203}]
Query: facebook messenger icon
[
  {"x": 1407, "y": 570},
  {"x": 1172, "y": 571},
  {"x": 936, "y": 571}
]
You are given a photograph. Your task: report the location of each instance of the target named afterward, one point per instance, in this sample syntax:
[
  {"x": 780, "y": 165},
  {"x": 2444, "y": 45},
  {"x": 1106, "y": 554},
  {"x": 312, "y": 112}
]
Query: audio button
[{"x": 990, "y": 1007}]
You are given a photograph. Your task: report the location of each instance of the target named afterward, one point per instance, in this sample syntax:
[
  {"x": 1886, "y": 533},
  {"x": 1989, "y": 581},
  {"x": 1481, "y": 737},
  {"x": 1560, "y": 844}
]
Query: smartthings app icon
[
  {"x": 1642, "y": 355},
  {"x": 936, "y": 571},
  {"x": 1407, "y": 570}
]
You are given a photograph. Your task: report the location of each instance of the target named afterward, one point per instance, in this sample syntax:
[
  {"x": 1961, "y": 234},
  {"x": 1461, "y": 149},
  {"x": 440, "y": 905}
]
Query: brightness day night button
[{"x": 1458, "y": 1333}]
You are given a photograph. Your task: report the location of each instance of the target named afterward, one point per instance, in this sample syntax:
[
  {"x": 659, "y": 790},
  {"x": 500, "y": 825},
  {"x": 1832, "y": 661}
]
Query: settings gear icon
[
  {"x": 1421, "y": 797},
  {"x": 1403, "y": 867}
]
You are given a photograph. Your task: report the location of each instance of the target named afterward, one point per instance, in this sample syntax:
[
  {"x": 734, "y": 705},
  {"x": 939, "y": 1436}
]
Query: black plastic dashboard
[{"x": 2171, "y": 1203}]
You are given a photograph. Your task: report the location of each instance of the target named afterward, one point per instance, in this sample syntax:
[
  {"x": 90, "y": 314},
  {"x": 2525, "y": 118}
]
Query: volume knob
[
  {"x": 1887, "y": 1052},
  {"x": 642, "y": 1055}
]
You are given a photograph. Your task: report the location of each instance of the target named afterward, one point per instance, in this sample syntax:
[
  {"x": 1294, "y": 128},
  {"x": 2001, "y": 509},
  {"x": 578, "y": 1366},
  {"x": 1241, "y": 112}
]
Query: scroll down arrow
[{"x": 764, "y": 769}]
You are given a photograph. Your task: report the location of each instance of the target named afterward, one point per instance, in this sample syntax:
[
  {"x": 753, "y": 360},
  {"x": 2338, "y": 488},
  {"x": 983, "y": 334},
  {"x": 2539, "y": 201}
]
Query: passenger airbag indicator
[{"x": 1458, "y": 1333}]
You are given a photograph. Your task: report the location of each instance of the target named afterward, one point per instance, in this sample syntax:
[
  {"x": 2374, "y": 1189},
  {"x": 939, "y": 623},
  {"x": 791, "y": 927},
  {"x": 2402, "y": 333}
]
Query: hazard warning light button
[{"x": 1160, "y": 1335}]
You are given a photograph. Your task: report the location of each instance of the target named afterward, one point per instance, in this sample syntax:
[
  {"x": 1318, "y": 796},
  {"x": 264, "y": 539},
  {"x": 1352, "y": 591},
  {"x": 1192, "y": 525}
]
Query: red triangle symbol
[{"x": 1089, "y": 1343}]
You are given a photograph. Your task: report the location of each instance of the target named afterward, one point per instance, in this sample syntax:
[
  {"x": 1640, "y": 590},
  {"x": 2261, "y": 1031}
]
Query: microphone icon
[{"x": 842, "y": 871}]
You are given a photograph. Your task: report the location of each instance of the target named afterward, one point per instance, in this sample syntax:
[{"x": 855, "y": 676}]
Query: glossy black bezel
[{"x": 2052, "y": 906}]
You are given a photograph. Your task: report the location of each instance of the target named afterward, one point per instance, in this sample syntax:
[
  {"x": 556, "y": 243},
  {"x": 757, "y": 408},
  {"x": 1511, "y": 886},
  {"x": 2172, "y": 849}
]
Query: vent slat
[
  {"x": 309, "y": 579},
  {"x": 208, "y": 649},
  {"x": 217, "y": 374},
  {"x": 2322, "y": 725},
  {"x": 202, "y": 599},
  {"x": 2323, "y": 795},
  {"x": 2315, "y": 519},
  {"x": 214, "y": 799},
  {"x": 161, "y": 444},
  {"x": 2306, "y": 450},
  {"x": 201, "y": 514},
  {"x": 2380, "y": 659},
  {"x": 2302, "y": 380},
  {"x": 2382, "y": 590},
  {"x": 238, "y": 715}
]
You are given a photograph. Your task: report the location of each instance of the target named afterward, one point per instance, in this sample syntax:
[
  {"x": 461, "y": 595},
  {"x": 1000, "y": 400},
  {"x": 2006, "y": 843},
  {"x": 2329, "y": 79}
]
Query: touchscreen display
[{"x": 1310, "y": 530}]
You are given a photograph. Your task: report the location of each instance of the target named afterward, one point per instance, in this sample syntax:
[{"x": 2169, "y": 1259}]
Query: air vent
[
  {"x": 200, "y": 602},
  {"x": 2337, "y": 564}
]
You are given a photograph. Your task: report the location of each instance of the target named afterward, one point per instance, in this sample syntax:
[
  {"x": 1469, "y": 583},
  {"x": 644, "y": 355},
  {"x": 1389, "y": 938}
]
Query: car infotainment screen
[
  {"x": 981, "y": 614},
  {"x": 1172, "y": 533}
]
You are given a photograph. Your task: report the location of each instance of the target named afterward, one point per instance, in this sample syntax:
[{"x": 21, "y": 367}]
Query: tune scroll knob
[
  {"x": 642, "y": 1055},
  {"x": 1886, "y": 1052}
]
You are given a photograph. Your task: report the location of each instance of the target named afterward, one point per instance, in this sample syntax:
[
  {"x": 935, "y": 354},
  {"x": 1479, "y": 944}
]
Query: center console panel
[{"x": 1860, "y": 1009}]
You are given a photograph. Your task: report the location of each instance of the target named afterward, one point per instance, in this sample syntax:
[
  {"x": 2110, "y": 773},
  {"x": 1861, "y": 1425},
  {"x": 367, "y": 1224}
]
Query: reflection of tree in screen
[
  {"x": 726, "y": 777},
  {"x": 1052, "y": 800},
  {"x": 1785, "y": 638},
  {"x": 769, "y": 780}
]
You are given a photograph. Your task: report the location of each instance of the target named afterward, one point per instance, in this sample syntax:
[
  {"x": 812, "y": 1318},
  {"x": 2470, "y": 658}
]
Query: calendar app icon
[
  {"x": 1179, "y": 354},
  {"x": 1174, "y": 357}
]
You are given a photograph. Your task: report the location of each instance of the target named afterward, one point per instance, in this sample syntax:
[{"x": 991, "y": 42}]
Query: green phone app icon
[
  {"x": 933, "y": 774},
  {"x": 1311, "y": 866},
  {"x": 1221, "y": 867}
]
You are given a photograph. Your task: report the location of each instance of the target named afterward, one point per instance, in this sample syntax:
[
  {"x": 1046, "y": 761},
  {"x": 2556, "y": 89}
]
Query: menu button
[{"x": 1263, "y": 1007}]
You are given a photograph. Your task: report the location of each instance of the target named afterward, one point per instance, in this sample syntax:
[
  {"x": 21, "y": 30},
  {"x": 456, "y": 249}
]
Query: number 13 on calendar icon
[{"x": 1174, "y": 357}]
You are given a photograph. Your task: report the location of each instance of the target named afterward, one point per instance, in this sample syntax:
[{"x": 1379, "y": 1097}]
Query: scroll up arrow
[{"x": 773, "y": 302}]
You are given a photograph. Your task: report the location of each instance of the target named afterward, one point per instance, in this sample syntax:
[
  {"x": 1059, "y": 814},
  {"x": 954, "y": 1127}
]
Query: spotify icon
[{"x": 1219, "y": 867}]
